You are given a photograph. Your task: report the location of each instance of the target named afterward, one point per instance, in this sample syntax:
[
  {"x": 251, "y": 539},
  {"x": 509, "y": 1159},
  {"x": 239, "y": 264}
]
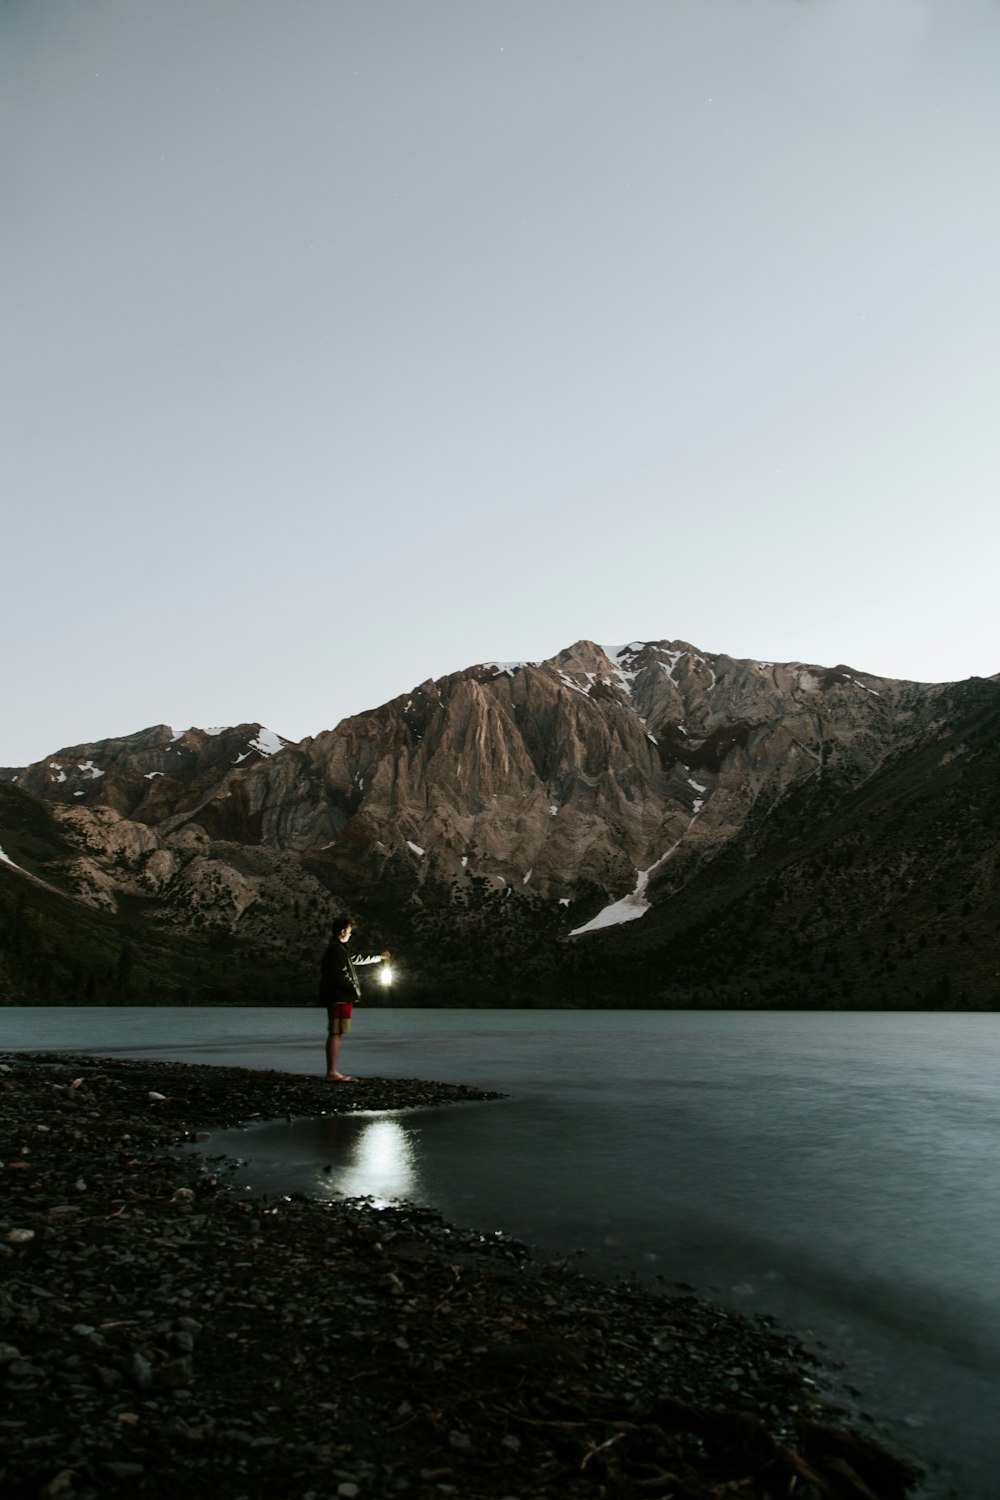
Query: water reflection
[{"x": 372, "y": 1157}]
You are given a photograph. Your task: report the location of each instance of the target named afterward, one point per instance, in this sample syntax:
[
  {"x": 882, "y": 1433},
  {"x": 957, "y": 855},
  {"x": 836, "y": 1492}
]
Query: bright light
[
  {"x": 385, "y": 976},
  {"x": 381, "y": 1165}
]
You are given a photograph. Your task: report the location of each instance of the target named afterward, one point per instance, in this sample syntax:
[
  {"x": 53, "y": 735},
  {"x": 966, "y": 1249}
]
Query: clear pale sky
[{"x": 347, "y": 343}]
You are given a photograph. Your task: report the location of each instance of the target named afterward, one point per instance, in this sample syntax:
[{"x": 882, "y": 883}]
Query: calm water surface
[{"x": 838, "y": 1171}]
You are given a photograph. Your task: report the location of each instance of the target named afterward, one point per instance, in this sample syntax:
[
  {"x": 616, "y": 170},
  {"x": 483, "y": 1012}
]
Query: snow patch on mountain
[
  {"x": 626, "y": 910},
  {"x": 636, "y": 904},
  {"x": 267, "y": 742},
  {"x": 631, "y": 906},
  {"x": 626, "y": 679},
  {"x": 619, "y": 656},
  {"x": 699, "y": 802},
  {"x": 506, "y": 668},
  {"x": 673, "y": 657}
]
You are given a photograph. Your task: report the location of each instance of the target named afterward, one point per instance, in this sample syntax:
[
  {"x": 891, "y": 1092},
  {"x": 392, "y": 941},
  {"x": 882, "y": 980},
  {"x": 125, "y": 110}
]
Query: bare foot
[{"x": 339, "y": 1078}]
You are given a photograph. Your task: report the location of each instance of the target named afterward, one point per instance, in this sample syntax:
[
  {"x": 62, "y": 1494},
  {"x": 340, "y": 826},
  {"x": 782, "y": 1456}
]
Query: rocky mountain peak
[
  {"x": 600, "y": 786},
  {"x": 146, "y": 776}
]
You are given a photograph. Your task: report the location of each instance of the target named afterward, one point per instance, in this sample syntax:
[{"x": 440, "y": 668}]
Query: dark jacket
[{"x": 338, "y": 981}]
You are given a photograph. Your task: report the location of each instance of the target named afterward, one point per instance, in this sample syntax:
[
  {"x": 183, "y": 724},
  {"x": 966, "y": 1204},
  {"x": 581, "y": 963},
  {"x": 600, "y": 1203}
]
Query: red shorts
[{"x": 338, "y": 1018}]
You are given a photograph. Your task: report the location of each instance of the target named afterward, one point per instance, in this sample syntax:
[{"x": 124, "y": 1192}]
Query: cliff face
[
  {"x": 578, "y": 773},
  {"x": 505, "y": 807}
]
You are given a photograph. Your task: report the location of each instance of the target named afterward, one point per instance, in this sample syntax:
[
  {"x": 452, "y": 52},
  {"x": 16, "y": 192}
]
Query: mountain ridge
[{"x": 521, "y": 811}]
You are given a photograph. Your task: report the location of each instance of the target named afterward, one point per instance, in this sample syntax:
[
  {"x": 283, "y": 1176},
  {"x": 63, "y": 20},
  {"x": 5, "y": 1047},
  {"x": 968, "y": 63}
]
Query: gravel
[{"x": 160, "y": 1335}]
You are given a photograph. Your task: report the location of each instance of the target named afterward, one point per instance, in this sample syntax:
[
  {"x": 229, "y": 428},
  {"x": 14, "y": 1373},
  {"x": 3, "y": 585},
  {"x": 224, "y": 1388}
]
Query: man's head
[{"x": 342, "y": 928}]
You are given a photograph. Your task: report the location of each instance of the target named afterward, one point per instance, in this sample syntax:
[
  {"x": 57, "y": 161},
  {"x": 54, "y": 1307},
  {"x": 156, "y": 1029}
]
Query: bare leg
[{"x": 332, "y": 1056}]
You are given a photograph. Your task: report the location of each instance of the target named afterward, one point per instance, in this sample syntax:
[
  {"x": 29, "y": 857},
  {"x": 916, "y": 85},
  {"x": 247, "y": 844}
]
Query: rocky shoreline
[{"x": 161, "y": 1336}]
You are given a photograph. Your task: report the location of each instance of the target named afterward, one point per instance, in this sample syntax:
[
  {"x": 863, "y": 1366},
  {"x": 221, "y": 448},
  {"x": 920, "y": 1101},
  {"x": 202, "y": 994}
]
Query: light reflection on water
[
  {"x": 373, "y": 1155},
  {"x": 369, "y": 1157}
]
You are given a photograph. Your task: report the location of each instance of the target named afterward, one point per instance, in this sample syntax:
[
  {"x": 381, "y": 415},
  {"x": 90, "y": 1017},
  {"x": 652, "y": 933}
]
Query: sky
[{"x": 349, "y": 343}]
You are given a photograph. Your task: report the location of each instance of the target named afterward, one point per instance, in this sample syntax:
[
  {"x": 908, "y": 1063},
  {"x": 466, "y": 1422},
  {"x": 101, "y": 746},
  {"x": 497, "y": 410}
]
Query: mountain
[{"x": 646, "y": 825}]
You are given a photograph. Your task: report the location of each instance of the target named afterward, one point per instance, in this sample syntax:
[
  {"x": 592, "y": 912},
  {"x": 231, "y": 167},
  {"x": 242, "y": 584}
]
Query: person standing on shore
[{"x": 339, "y": 990}]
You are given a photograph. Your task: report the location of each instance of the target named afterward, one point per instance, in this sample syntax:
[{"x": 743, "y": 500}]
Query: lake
[{"x": 839, "y": 1171}]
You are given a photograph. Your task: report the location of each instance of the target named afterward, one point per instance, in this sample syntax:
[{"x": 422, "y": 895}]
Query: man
[{"x": 338, "y": 991}]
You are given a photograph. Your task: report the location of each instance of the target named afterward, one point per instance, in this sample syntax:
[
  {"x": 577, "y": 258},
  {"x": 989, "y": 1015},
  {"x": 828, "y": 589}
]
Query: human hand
[{"x": 385, "y": 958}]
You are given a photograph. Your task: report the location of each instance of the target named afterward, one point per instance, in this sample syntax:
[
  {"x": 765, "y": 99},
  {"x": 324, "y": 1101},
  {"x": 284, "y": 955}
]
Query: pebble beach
[{"x": 162, "y": 1335}]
